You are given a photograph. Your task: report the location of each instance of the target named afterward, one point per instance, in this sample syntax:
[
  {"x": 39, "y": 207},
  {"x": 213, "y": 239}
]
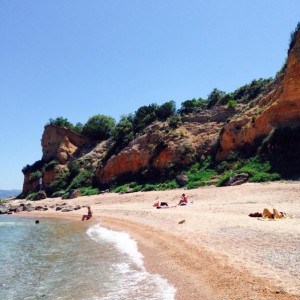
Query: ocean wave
[{"x": 135, "y": 282}]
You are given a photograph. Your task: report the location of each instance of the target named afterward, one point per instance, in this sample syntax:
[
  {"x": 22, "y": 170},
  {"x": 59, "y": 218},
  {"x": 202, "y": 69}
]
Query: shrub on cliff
[
  {"x": 83, "y": 179},
  {"x": 214, "y": 97},
  {"x": 35, "y": 176},
  {"x": 166, "y": 110},
  {"x": 250, "y": 91},
  {"x": 191, "y": 106},
  {"x": 63, "y": 122},
  {"x": 293, "y": 37},
  {"x": 144, "y": 116},
  {"x": 123, "y": 132},
  {"x": 99, "y": 127}
]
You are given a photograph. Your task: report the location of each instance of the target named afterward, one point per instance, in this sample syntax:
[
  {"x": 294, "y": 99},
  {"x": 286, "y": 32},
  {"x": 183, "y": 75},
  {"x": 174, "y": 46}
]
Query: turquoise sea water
[{"x": 61, "y": 259}]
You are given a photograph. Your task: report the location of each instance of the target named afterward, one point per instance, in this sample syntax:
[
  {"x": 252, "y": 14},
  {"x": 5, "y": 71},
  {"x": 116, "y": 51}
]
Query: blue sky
[{"x": 76, "y": 59}]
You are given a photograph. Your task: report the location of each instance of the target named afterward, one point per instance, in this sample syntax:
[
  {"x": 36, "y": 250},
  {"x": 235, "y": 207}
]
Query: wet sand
[{"x": 211, "y": 249}]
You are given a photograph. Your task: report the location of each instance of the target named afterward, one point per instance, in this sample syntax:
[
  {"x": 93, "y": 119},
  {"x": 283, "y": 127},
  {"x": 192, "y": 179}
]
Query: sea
[{"x": 65, "y": 259}]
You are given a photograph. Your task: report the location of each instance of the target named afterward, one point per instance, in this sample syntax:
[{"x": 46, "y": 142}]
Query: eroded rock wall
[
  {"x": 60, "y": 143},
  {"x": 280, "y": 108}
]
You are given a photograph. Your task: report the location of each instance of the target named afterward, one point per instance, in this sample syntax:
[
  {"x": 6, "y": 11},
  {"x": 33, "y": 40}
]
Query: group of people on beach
[
  {"x": 267, "y": 214},
  {"x": 183, "y": 201}
]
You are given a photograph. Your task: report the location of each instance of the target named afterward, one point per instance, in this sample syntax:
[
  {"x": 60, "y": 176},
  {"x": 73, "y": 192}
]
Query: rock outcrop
[
  {"x": 216, "y": 132},
  {"x": 160, "y": 148},
  {"x": 279, "y": 108},
  {"x": 60, "y": 143}
]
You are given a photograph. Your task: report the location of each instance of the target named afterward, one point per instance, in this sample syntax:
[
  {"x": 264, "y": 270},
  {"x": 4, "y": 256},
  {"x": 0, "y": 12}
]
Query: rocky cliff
[
  {"x": 60, "y": 143},
  {"x": 258, "y": 125},
  {"x": 279, "y": 108}
]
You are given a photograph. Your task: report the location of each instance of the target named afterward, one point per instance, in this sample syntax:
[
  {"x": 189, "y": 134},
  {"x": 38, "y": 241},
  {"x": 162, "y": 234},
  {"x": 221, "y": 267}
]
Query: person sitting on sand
[
  {"x": 274, "y": 215},
  {"x": 89, "y": 214},
  {"x": 183, "y": 200}
]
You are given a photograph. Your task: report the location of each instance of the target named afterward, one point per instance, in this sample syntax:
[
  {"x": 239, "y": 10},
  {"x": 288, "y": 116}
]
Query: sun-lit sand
[{"x": 211, "y": 249}]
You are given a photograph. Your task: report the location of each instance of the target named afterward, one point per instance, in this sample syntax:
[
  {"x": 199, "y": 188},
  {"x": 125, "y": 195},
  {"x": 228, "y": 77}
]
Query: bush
[
  {"x": 31, "y": 196},
  {"x": 123, "y": 132},
  {"x": 224, "y": 178},
  {"x": 37, "y": 166},
  {"x": 88, "y": 191},
  {"x": 258, "y": 170},
  {"x": 293, "y": 37},
  {"x": 60, "y": 183},
  {"x": 51, "y": 165},
  {"x": 83, "y": 179},
  {"x": 166, "y": 110},
  {"x": 193, "y": 105},
  {"x": 232, "y": 103},
  {"x": 200, "y": 173},
  {"x": 195, "y": 184},
  {"x": 174, "y": 122},
  {"x": 99, "y": 127},
  {"x": 144, "y": 116},
  {"x": 121, "y": 189},
  {"x": 35, "y": 176},
  {"x": 214, "y": 97},
  {"x": 251, "y": 91}
]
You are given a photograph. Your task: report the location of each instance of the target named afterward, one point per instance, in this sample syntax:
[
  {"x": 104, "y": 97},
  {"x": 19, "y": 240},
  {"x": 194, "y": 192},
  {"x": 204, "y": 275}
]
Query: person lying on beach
[
  {"x": 158, "y": 204},
  {"x": 89, "y": 214},
  {"x": 183, "y": 200},
  {"x": 274, "y": 215}
]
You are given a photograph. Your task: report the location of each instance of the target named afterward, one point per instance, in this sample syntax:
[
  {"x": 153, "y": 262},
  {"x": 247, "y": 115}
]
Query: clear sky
[{"x": 76, "y": 59}]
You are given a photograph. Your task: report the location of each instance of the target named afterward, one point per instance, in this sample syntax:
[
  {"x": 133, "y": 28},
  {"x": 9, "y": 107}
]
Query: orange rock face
[
  {"x": 60, "y": 143},
  {"x": 280, "y": 108},
  {"x": 29, "y": 186}
]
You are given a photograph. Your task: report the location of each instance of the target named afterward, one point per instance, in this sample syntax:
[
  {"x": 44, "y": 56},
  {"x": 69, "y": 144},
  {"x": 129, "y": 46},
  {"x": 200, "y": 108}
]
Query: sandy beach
[{"x": 210, "y": 249}]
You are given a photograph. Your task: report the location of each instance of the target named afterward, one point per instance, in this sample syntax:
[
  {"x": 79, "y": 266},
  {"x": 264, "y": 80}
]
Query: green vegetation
[
  {"x": 293, "y": 37},
  {"x": 192, "y": 106},
  {"x": 31, "y": 196},
  {"x": 35, "y": 175},
  {"x": 134, "y": 187},
  {"x": 63, "y": 122},
  {"x": 88, "y": 191},
  {"x": 99, "y": 127},
  {"x": 258, "y": 169}
]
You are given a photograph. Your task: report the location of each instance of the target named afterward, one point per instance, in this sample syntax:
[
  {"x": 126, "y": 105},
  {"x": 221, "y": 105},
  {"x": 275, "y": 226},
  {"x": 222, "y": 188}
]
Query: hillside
[
  {"x": 250, "y": 134},
  {"x": 9, "y": 193}
]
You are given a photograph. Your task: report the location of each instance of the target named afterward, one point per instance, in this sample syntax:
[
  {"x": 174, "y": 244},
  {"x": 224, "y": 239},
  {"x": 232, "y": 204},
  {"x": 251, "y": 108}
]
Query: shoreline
[{"x": 189, "y": 255}]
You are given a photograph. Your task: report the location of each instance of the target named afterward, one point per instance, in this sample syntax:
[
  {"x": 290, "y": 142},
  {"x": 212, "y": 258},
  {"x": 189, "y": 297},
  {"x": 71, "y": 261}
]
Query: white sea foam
[
  {"x": 121, "y": 240},
  {"x": 135, "y": 280}
]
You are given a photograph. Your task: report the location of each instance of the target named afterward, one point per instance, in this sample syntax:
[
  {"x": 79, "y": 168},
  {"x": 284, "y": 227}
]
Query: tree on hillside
[
  {"x": 190, "y": 106},
  {"x": 214, "y": 97},
  {"x": 123, "y": 132},
  {"x": 99, "y": 127},
  {"x": 61, "y": 122},
  {"x": 64, "y": 122},
  {"x": 166, "y": 110},
  {"x": 250, "y": 91},
  {"x": 144, "y": 116},
  {"x": 293, "y": 37}
]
